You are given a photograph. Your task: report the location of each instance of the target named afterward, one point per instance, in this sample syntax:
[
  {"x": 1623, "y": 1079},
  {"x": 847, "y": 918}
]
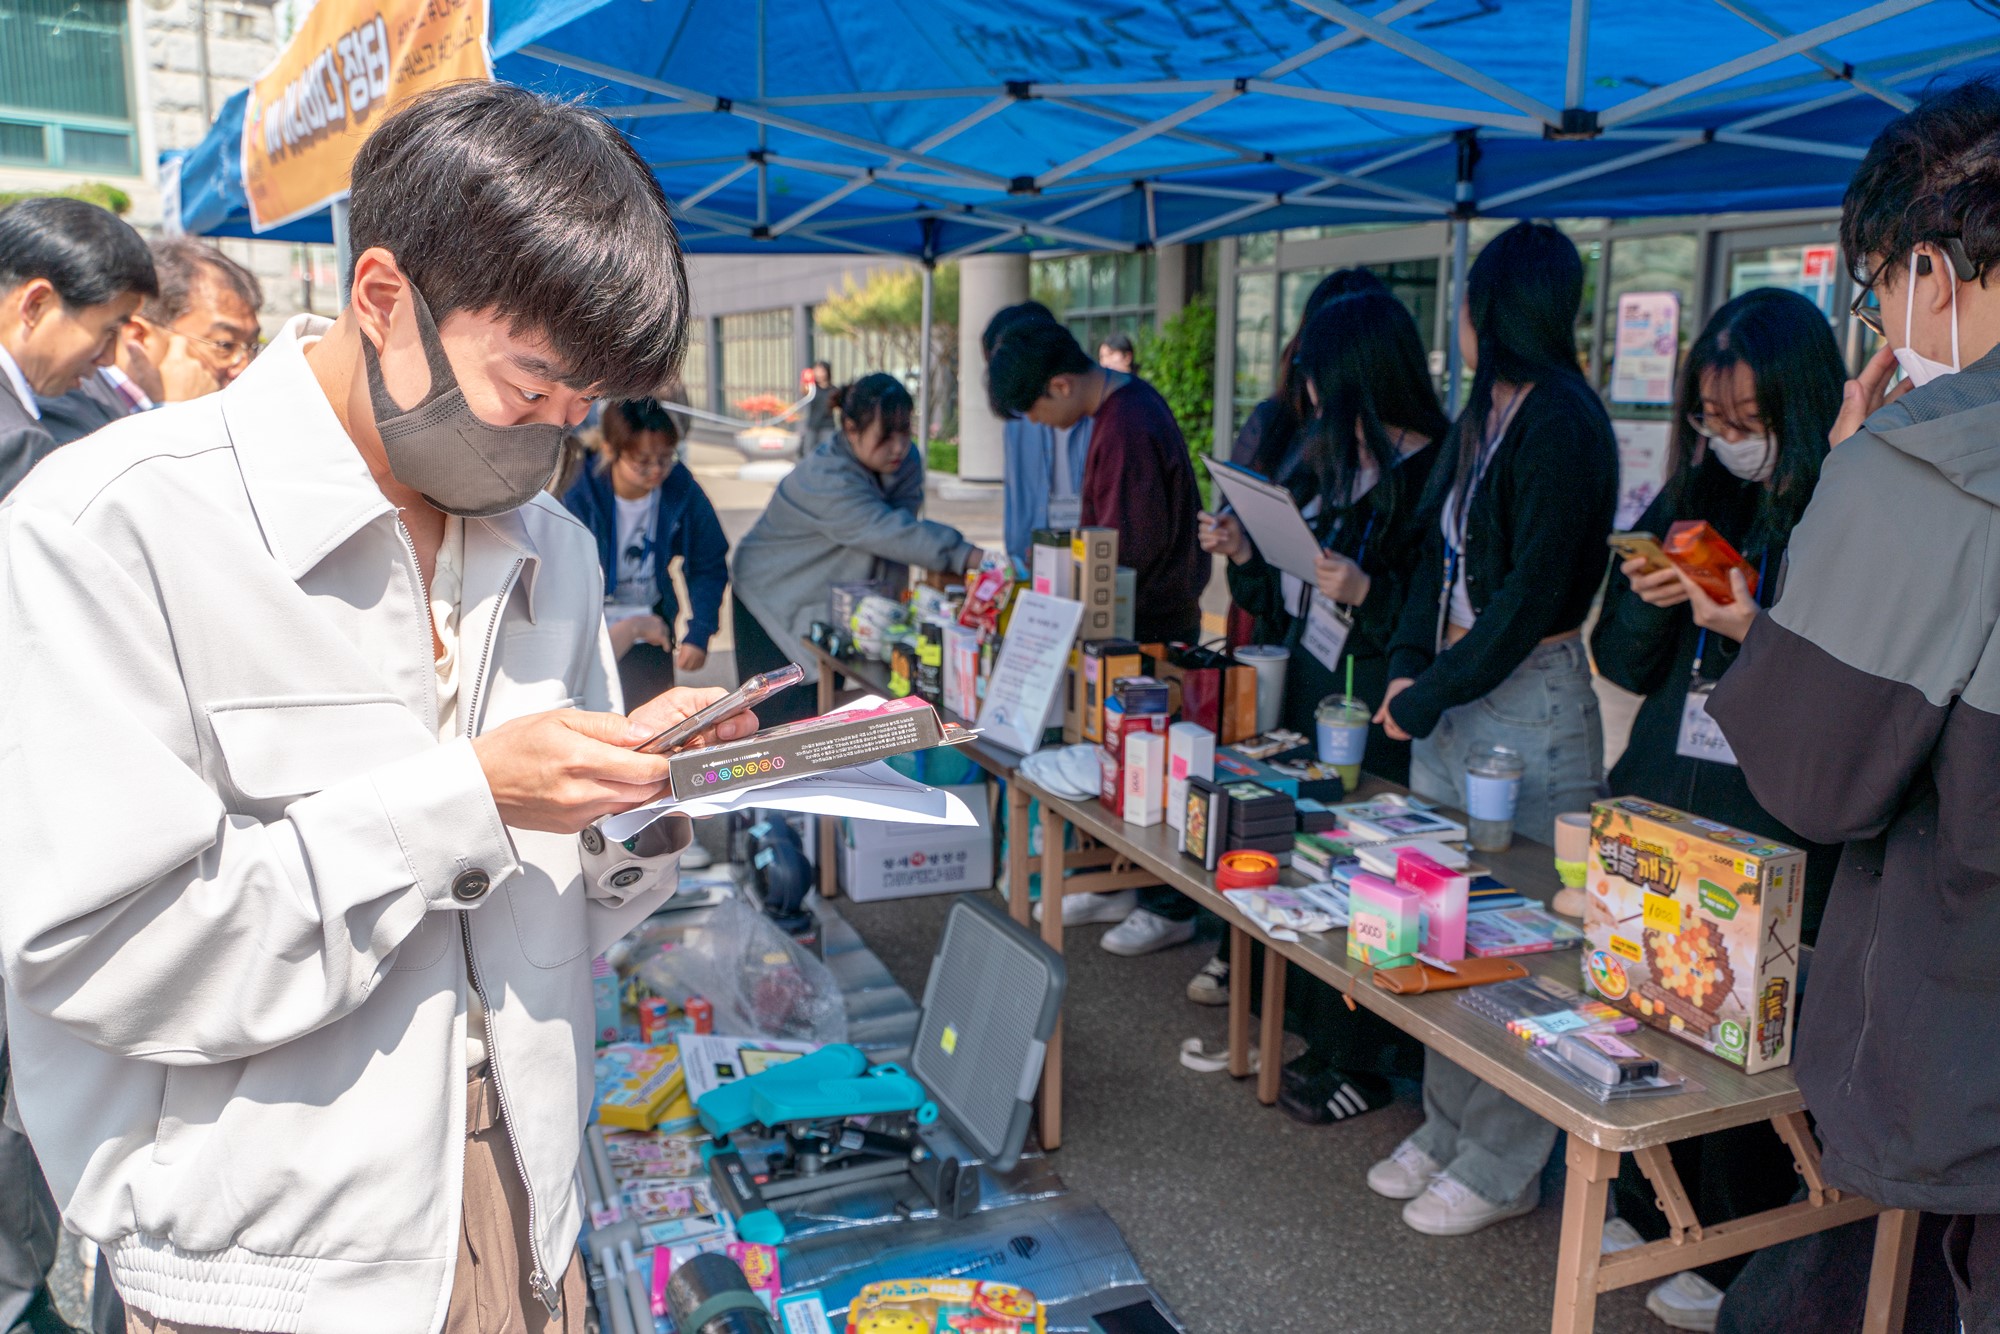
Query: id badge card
[
  {"x": 1327, "y": 628},
  {"x": 1700, "y": 738},
  {"x": 1065, "y": 512}
]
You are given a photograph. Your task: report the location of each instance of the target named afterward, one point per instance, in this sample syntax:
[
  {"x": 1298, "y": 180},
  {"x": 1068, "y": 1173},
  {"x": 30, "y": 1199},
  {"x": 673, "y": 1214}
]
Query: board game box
[{"x": 1693, "y": 927}]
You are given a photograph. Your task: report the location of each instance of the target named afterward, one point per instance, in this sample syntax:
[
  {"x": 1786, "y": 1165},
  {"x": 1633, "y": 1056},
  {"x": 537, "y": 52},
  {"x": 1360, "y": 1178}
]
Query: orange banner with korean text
[{"x": 350, "y": 63}]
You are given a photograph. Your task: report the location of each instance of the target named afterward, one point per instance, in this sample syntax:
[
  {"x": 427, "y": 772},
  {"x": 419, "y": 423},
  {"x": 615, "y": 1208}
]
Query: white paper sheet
[
  {"x": 865, "y": 792},
  {"x": 1271, "y": 517},
  {"x": 1029, "y": 671}
]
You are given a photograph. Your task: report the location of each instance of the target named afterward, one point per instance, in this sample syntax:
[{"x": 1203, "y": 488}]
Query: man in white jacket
[{"x": 309, "y": 709}]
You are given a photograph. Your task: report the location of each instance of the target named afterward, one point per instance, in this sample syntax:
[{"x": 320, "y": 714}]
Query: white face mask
[
  {"x": 1752, "y": 458},
  {"x": 1920, "y": 369}
]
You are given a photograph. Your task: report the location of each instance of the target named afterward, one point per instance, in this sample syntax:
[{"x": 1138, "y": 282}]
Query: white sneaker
[
  {"x": 1083, "y": 909},
  {"x": 1686, "y": 1301},
  {"x": 1210, "y": 986},
  {"x": 1404, "y": 1173},
  {"x": 1619, "y": 1235},
  {"x": 1450, "y": 1208},
  {"x": 1143, "y": 932},
  {"x": 697, "y": 858}
]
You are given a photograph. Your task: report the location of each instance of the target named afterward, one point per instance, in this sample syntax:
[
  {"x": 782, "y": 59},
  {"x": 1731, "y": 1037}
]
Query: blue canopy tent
[{"x": 940, "y": 128}]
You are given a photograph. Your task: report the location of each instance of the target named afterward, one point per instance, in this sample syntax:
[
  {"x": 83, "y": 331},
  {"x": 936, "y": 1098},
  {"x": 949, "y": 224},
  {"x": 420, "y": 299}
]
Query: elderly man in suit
[
  {"x": 71, "y": 276},
  {"x": 191, "y": 339}
]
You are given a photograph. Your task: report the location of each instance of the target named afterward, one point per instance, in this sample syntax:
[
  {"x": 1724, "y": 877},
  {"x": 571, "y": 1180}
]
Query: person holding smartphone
[
  {"x": 1359, "y": 479},
  {"x": 1759, "y": 391},
  {"x": 1490, "y": 651}
]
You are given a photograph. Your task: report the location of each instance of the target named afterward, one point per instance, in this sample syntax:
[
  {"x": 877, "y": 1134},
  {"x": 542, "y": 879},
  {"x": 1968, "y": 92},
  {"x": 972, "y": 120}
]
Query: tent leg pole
[
  {"x": 924, "y": 363},
  {"x": 343, "y": 253},
  {"x": 1454, "y": 367}
]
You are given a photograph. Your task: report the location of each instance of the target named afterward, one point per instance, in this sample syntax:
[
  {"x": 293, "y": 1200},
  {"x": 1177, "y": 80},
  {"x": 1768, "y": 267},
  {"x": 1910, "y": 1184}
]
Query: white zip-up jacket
[{"x": 242, "y": 876}]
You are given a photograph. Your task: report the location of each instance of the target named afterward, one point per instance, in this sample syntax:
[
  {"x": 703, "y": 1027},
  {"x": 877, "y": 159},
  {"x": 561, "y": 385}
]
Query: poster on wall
[
  {"x": 350, "y": 63},
  {"x": 1642, "y": 363},
  {"x": 1642, "y": 467}
]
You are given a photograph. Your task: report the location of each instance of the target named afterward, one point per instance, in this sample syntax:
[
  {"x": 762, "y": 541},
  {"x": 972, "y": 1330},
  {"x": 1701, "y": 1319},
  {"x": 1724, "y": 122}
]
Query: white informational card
[
  {"x": 865, "y": 792},
  {"x": 711, "y": 1060},
  {"x": 1029, "y": 670},
  {"x": 1271, "y": 517}
]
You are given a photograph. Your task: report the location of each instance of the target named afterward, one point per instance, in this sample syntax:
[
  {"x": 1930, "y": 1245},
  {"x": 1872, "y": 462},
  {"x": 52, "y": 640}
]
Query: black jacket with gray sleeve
[{"x": 1866, "y": 711}]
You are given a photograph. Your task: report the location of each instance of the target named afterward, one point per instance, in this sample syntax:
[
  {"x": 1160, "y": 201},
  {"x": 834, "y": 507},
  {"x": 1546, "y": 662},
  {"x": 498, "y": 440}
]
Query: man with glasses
[
  {"x": 1865, "y": 708},
  {"x": 192, "y": 338}
]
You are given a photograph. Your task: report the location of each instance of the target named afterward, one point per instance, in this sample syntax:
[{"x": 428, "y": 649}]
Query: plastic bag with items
[{"x": 761, "y": 983}]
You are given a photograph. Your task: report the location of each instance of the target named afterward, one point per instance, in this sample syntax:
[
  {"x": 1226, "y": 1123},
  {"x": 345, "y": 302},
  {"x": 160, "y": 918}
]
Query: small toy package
[
  {"x": 1385, "y": 923},
  {"x": 945, "y": 1306},
  {"x": 1693, "y": 927}
]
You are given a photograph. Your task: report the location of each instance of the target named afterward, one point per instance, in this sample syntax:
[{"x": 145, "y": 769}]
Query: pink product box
[
  {"x": 1385, "y": 926},
  {"x": 1445, "y": 893}
]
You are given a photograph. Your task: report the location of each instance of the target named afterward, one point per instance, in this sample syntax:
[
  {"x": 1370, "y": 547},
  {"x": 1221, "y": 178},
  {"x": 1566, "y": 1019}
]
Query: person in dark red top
[{"x": 1139, "y": 479}]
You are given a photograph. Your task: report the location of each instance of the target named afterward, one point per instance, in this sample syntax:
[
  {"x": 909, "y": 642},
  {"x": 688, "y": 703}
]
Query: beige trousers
[{"x": 489, "y": 1285}]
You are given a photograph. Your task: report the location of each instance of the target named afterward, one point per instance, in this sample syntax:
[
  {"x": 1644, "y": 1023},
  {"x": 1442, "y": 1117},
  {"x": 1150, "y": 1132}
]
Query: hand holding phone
[
  {"x": 1638, "y": 545},
  {"x": 746, "y": 696}
]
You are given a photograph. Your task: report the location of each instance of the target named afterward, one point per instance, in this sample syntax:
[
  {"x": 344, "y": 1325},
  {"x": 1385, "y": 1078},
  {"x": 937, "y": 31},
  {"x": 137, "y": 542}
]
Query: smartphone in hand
[
  {"x": 1641, "y": 546},
  {"x": 746, "y": 696}
]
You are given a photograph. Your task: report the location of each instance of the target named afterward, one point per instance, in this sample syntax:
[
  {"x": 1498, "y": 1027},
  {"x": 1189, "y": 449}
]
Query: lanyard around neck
[{"x": 1701, "y": 640}]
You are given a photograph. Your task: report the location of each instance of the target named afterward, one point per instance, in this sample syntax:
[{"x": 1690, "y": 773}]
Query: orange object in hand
[{"x": 1706, "y": 557}]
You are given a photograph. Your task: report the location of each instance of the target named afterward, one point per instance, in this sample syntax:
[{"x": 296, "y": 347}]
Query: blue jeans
[
  {"x": 1547, "y": 711},
  {"x": 1493, "y": 1145}
]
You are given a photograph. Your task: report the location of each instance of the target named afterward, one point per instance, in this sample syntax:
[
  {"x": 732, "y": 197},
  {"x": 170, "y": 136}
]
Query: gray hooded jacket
[{"x": 1866, "y": 711}]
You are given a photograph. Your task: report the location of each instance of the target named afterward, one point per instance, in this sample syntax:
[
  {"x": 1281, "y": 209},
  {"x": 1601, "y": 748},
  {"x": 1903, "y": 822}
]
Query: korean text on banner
[{"x": 349, "y": 64}]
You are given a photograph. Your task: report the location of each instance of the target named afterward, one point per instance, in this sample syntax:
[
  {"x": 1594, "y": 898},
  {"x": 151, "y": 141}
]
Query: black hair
[
  {"x": 1366, "y": 359},
  {"x": 1932, "y": 174},
  {"x": 1522, "y": 296},
  {"x": 182, "y": 264},
  {"x": 879, "y": 396},
  {"x": 1785, "y": 341},
  {"x": 645, "y": 414},
  {"x": 89, "y": 255},
  {"x": 1119, "y": 342},
  {"x": 826, "y": 366},
  {"x": 493, "y": 198},
  {"x": 1006, "y": 318},
  {"x": 1027, "y": 357},
  {"x": 1293, "y": 407}
]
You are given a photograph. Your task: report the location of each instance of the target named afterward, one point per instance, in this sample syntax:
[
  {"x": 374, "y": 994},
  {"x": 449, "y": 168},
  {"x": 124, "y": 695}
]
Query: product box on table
[
  {"x": 792, "y": 750},
  {"x": 1190, "y": 754},
  {"x": 1104, "y": 661},
  {"x": 1049, "y": 563},
  {"x": 1094, "y": 554},
  {"x": 1119, "y": 728},
  {"x": 1145, "y": 778},
  {"x": 1385, "y": 922},
  {"x": 1693, "y": 927},
  {"x": 879, "y": 860}
]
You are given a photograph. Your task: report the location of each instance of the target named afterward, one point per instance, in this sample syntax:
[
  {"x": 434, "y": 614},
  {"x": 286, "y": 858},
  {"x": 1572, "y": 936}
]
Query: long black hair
[
  {"x": 1364, "y": 357},
  {"x": 1289, "y": 397},
  {"x": 1786, "y": 342},
  {"x": 1522, "y": 295}
]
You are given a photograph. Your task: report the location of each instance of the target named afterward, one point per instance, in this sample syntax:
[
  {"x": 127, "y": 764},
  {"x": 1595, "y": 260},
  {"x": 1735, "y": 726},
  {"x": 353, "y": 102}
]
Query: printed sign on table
[{"x": 350, "y": 63}]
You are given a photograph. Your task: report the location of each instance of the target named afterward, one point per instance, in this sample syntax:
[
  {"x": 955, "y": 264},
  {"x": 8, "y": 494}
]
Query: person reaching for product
[
  {"x": 1489, "y": 652},
  {"x": 1759, "y": 391},
  {"x": 851, "y": 512},
  {"x": 646, "y": 509}
]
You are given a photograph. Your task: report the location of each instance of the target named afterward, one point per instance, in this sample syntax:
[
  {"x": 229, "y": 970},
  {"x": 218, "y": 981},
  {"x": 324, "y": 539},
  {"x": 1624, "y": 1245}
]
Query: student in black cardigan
[
  {"x": 1490, "y": 651},
  {"x": 1759, "y": 392}
]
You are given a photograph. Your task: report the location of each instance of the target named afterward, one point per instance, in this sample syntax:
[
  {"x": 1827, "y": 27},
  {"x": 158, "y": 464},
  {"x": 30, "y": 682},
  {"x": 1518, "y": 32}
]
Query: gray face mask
[{"x": 441, "y": 448}]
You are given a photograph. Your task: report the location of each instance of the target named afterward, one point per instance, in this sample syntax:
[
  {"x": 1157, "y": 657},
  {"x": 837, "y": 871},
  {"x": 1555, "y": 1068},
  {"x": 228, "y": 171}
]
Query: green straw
[{"x": 1350, "y": 676}]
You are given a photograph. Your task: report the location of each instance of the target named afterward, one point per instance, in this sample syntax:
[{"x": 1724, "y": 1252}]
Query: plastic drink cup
[
  {"x": 1270, "y": 660},
  {"x": 1492, "y": 789},
  {"x": 1341, "y": 722}
]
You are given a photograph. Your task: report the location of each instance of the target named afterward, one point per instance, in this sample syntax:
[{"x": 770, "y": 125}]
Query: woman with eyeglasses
[
  {"x": 645, "y": 508},
  {"x": 1758, "y": 392}
]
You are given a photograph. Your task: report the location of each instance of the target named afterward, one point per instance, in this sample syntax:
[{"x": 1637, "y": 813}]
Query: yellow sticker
[
  {"x": 949, "y": 1041},
  {"x": 1663, "y": 913},
  {"x": 1627, "y": 949}
]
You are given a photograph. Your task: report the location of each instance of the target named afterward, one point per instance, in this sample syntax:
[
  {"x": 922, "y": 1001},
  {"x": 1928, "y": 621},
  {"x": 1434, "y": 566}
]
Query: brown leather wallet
[{"x": 1417, "y": 978}]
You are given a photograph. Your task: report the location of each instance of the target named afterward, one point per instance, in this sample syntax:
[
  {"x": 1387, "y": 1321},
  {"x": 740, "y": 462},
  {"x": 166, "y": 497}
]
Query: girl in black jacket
[{"x": 1758, "y": 394}]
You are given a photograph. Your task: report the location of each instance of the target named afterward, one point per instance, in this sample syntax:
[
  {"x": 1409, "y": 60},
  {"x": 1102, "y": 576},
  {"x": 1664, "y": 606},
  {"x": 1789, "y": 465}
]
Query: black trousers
[
  {"x": 1972, "y": 1254},
  {"x": 757, "y": 652}
]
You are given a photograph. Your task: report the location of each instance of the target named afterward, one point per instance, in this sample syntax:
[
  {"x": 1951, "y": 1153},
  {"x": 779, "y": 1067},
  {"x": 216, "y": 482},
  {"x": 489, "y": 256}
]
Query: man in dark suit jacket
[
  {"x": 71, "y": 276},
  {"x": 192, "y": 338}
]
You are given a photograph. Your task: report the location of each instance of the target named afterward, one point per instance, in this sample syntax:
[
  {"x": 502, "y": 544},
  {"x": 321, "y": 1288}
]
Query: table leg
[
  {"x": 1889, "y": 1275},
  {"x": 1017, "y": 852},
  {"x": 1239, "y": 1002},
  {"x": 1055, "y": 832},
  {"x": 1590, "y": 1172},
  {"x": 829, "y": 834},
  {"x": 1271, "y": 1033}
]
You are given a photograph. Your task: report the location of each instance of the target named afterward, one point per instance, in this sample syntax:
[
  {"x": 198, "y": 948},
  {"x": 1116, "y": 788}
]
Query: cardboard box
[
  {"x": 961, "y": 670},
  {"x": 1385, "y": 926},
  {"x": 1445, "y": 893},
  {"x": 1094, "y": 554},
  {"x": 1119, "y": 729},
  {"x": 1104, "y": 661},
  {"x": 1125, "y": 608},
  {"x": 879, "y": 860},
  {"x": 1050, "y": 567},
  {"x": 1190, "y": 754},
  {"x": 1145, "y": 778},
  {"x": 1693, "y": 927}
]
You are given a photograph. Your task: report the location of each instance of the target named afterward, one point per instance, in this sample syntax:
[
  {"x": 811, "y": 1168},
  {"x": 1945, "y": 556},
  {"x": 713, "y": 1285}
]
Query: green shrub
[
  {"x": 1180, "y": 361},
  {"x": 91, "y": 192}
]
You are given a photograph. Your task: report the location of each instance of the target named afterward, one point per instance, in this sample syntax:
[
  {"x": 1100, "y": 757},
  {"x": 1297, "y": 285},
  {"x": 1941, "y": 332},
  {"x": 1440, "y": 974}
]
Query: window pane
[
  {"x": 96, "y": 148},
  {"x": 1077, "y": 287},
  {"x": 1257, "y": 248},
  {"x": 1255, "y": 339},
  {"x": 1131, "y": 279},
  {"x": 22, "y": 143},
  {"x": 1294, "y": 288},
  {"x": 64, "y": 56},
  {"x": 1103, "y": 280},
  {"x": 1150, "y": 264},
  {"x": 1809, "y": 270},
  {"x": 1651, "y": 264}
]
